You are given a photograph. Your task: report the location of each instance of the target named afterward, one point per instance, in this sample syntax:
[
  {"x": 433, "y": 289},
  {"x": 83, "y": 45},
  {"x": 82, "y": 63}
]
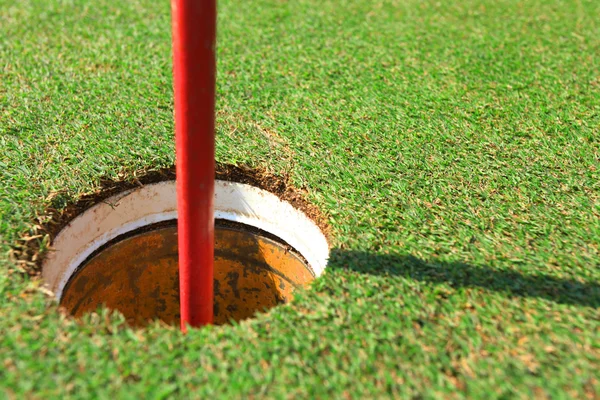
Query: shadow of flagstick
[{"x": 461, "y": 275}]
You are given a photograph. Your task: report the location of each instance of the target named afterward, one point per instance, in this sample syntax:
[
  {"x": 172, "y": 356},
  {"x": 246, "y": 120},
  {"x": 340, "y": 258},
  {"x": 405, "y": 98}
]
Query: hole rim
[{"x": 157, "y": 202}]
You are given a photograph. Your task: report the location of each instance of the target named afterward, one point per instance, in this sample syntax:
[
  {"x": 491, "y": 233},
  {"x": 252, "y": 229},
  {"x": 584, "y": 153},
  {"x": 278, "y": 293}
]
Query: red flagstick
[{"x": 194, "y": 29}]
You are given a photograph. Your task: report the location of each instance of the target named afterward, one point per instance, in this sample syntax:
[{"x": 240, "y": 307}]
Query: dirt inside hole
[{"x": 137, "y": 274}]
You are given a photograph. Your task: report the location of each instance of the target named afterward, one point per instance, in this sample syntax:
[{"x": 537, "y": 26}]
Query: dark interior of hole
[{"x": 137, "y": 274}]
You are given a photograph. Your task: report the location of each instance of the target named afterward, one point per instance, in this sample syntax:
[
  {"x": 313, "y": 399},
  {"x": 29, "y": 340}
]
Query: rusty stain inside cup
[{"x": 138, "y": 275}]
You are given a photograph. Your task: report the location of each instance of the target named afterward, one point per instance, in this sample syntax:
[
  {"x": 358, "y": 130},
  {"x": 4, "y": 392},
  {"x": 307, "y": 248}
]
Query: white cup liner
[{"x": 149, "y": 204}]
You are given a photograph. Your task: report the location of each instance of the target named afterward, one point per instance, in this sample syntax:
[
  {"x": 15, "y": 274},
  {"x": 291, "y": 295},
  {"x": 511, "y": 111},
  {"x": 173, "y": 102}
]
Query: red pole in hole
[{"x": 194, "y": 29}]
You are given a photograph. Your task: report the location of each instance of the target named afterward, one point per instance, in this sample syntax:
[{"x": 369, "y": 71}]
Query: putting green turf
[{"x": 455, "y": 148}]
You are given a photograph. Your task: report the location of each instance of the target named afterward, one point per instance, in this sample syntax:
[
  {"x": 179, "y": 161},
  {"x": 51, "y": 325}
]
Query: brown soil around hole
[{"x": 26, "y": 252}]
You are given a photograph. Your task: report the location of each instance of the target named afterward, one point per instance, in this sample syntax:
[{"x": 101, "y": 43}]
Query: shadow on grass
[{"x": 460, "y": 275}]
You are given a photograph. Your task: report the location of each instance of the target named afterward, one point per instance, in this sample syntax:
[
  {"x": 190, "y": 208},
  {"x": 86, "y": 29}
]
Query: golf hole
[{"x": 122, "y": 254}]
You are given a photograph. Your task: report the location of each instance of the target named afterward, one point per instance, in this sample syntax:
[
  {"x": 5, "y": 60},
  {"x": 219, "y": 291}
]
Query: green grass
[{"x": 454, "y": 145}]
